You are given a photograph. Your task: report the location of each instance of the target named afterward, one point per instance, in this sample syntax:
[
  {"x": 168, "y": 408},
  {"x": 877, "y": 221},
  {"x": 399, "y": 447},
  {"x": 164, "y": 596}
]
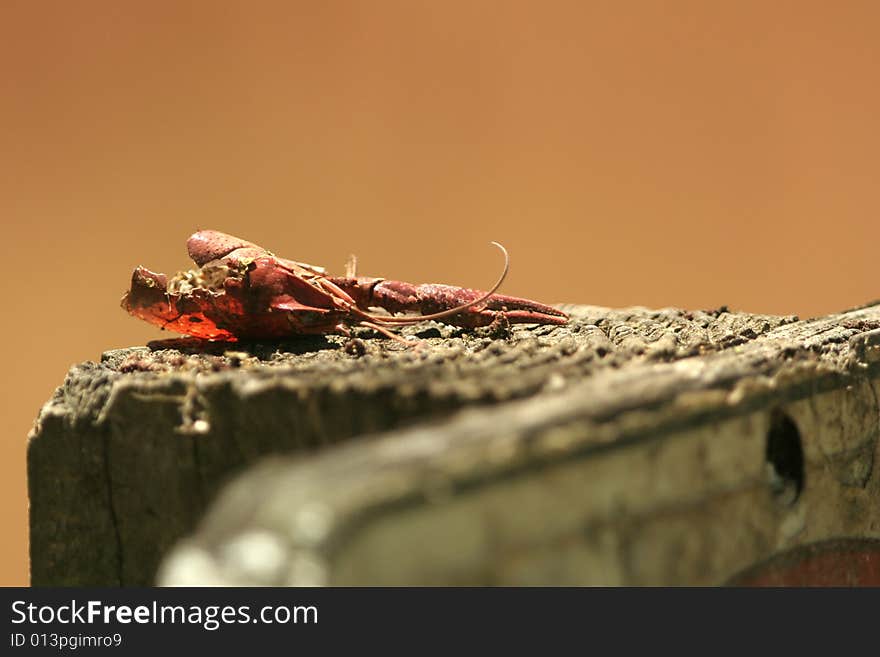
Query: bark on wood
[{"x": 629, "y": 447}]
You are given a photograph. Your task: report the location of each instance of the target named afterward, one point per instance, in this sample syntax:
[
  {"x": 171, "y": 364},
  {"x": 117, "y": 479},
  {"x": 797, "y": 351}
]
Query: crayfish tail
[{"x": 432, "y": 299}]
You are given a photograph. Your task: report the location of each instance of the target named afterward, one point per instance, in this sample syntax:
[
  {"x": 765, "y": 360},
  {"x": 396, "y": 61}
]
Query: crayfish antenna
[
  {"x": 451, "y": 311},
  {"x": 390, "y": 334}
]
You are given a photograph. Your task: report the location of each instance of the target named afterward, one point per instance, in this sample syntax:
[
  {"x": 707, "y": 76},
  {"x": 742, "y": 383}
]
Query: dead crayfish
[{"x": 242, "y": 291}]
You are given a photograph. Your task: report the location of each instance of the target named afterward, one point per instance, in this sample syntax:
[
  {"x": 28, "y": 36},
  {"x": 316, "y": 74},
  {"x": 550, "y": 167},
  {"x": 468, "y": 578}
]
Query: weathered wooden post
[{"x": 628, "y": 447}]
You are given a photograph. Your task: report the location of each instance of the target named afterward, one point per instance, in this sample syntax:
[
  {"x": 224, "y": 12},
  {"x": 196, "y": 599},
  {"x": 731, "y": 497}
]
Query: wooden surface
[{"x": 629, "y": 447}]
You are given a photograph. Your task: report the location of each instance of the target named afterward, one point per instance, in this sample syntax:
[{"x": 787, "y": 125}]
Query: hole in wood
[{"x": 785, "y": 459}]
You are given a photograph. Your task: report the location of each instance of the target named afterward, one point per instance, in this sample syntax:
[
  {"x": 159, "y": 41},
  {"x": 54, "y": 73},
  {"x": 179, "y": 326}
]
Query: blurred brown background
[{"x": 654, "y": 153}]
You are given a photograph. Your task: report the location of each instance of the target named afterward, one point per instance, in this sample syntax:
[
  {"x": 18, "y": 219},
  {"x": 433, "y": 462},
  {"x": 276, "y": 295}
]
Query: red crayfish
[{"x": 242, "y": 291}]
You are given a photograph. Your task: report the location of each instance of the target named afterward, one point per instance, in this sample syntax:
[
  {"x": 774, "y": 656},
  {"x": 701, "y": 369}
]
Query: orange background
[{"x": 656, "y": 153}]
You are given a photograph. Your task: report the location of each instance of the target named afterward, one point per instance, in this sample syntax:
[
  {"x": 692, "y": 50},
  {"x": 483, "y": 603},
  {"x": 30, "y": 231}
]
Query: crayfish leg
[{"x": 351, "y": 266}]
